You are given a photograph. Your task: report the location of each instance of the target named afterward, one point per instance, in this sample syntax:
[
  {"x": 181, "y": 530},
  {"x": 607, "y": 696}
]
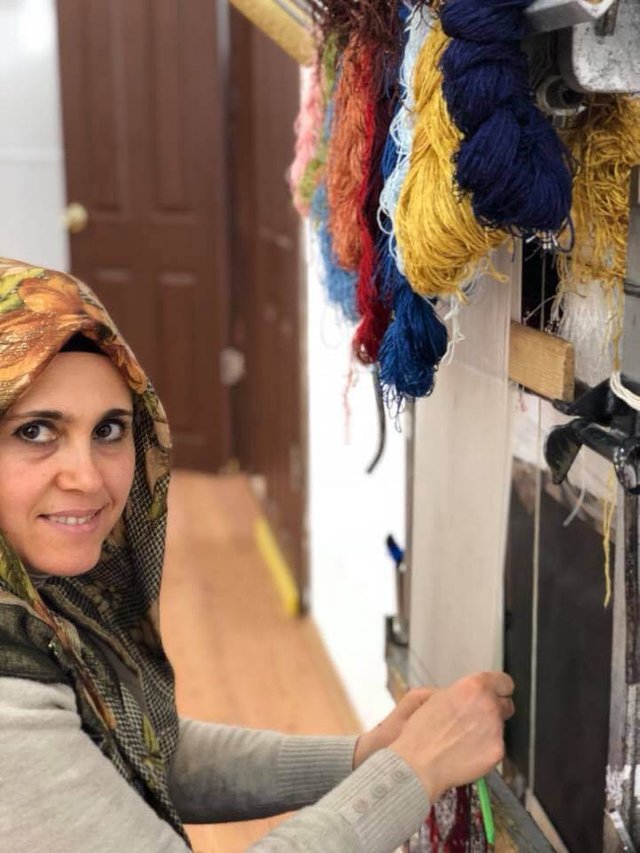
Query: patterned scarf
[{"x": 97, "y": 632}]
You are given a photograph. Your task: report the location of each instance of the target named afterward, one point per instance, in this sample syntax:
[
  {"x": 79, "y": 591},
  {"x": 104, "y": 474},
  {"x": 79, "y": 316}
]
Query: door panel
[
  {"x": 268, "y": 404},
  {"x": 143, "y": 125}
]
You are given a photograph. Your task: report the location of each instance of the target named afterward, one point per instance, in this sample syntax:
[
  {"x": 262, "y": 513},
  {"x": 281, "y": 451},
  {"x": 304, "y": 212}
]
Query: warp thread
[
  {"x": 510, "y": 159},
  {"x": 441, "y": 241}
]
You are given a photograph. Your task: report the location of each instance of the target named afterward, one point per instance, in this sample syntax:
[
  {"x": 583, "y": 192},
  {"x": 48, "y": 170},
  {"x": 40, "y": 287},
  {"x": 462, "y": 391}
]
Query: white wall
[
  {"x": 31, "y": 152},
  {"x": 350, "y": 512}
]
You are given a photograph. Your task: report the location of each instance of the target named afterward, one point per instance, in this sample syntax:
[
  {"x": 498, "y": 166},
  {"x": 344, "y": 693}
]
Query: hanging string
[
  {"x": 440, "y": 239},
  {"x": 510, "y": 159}
]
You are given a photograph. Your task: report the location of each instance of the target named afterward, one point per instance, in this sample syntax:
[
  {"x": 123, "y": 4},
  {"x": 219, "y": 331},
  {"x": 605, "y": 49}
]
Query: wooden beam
[
  {"x": 543, "y": 363},
  {"x": 284, "y": 23}
]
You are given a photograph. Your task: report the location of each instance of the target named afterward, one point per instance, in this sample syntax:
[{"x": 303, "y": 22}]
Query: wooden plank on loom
[
  {"x": 291, "y": 30},
  {"x": 543, "y": 363}
]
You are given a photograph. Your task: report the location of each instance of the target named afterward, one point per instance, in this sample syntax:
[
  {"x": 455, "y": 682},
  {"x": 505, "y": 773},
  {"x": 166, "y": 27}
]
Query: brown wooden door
[
  {"x": 143, "y": 117},
  {"x": 268, "y": 291}
]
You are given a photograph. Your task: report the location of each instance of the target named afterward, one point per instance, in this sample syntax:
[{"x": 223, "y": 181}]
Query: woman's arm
[
  {"x": 225, "y": 773},
  {"x": 56, "y": 787},
  {"x": 57, "y": 790}
]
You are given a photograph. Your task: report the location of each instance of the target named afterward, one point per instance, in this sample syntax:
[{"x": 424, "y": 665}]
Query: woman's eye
[
  {"x": 110, "y": 431},
  {"x": 36, "y": 433}
]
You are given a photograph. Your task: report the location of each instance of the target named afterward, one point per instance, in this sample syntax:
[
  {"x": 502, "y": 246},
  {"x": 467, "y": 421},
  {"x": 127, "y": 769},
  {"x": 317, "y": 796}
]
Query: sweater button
[
  {"x": 380, "y": 790},
  {"x": 398, "y": 775},
  {"x": 361, "y": 806}
]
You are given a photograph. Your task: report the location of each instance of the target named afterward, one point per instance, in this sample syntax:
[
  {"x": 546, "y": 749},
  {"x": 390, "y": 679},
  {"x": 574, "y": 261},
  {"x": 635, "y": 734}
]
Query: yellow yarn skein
[
  {"x": 606, "y": 145},
  {"x": 440, "y": 241}
]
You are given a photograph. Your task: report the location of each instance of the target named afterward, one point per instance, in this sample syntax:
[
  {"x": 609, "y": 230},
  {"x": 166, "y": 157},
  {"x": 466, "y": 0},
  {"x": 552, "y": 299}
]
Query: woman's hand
[
  {"x": 391, "y": 727},
  {"x": 456, "y": 736}
]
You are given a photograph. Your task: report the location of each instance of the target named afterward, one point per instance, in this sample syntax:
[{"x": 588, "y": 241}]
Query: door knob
[
  {"x": 232, "y": 366},
  {"x": 75, "y": 217}
]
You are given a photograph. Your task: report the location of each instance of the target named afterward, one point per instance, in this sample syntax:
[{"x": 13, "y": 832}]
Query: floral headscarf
[{"x": 97, "y": 632}]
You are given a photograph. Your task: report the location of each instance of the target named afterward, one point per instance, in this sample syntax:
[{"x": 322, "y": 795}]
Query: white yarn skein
[
  {"x": 418, "y": 25},
  {"x": 625, "y": 394}
]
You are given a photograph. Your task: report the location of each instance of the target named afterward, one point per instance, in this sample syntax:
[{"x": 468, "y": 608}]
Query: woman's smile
[{"x": 74, "y": 521}]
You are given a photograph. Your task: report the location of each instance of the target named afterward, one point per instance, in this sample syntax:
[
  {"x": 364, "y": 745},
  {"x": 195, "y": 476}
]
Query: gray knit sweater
[{"x": 59, "y": 794}]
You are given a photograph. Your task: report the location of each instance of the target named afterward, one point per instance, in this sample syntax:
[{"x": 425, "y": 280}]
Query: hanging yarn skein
[
  {"x": 308, "y": 129},
  {"x": 348, "y": 150},
  {"x": 605, "y": 143},
  {"x": 339, "y": 284},
  {"x": 315, "y": 165},
  {"x": 415, "y": 339},
  {"x": 401, "y": 128},
  {"x": 441, "y": 242},
  {"x": 382, "y": 97},
  {"x": 510, "y": 159}
]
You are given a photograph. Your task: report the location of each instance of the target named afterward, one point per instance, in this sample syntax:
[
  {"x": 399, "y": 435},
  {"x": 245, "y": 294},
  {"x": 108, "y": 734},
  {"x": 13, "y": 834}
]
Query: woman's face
[{"x": 66, "y": 463}]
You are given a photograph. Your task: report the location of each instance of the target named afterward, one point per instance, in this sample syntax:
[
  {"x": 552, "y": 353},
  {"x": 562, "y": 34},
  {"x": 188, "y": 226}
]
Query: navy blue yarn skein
[
  {"x": 412, "y": 348},
  {"x": 484, "y": 20},
  {"x": 415, "y": 339},
  {"x": 510, "y": 160},
  {"x": 496, "y": 73}
]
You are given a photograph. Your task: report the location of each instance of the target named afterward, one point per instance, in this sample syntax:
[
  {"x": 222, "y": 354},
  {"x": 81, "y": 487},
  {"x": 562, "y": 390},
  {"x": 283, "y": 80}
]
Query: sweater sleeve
[
  {"x": 56, "y": 787},
  {"x": 56, "y": 784},
  {"x": 376, "y": 809},
  {"x": 225, "y": 773}
]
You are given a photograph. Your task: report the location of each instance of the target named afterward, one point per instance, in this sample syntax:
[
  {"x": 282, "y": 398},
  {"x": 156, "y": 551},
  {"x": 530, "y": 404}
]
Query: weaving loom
[{"x": 428, "y": 191}]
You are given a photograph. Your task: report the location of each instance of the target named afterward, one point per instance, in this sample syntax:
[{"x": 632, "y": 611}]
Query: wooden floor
[{"x": 238, "y": 658}]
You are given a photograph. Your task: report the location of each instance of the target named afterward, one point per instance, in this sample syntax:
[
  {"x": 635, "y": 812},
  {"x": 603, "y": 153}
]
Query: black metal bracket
[{"x": 605, "y": 424}]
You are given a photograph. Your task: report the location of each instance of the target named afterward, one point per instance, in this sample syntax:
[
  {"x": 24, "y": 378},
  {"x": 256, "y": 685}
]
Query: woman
[{"x": 92, "y": 753}]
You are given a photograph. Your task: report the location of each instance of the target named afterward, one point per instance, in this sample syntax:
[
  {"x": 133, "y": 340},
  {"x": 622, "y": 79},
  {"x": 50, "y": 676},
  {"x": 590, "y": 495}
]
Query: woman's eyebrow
[
  {"x": 49, "y": 414},
  {"x": 53, "y": 415},
  {"x": 117, "y": 413}
]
